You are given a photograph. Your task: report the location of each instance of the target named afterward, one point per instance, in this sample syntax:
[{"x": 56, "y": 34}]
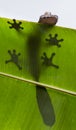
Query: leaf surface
[{"x": 43, "y": 54}]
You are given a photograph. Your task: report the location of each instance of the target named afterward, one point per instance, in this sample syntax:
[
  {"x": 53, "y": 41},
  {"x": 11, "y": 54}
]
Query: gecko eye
[{"x": 45, "y": 15}]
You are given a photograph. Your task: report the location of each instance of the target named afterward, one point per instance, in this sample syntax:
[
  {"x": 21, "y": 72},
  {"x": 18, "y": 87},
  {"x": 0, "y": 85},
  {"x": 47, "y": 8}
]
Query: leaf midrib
[{"x": 38, "y": 83}]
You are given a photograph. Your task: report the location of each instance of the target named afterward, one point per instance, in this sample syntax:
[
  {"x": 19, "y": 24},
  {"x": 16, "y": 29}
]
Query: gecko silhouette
[
  {"x": 15, "y": 25},
  {"x": 43, "y": 99},
  {"x": 14, "y": 58}
]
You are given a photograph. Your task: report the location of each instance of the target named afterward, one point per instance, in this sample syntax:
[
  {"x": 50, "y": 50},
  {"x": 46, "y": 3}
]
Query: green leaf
[{"x": 37, "y": 76}]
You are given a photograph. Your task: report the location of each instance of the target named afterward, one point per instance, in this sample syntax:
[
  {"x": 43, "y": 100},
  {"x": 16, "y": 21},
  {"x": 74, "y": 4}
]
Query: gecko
[
  {"x": 33, "y": 48},
  {"x": 43, "y": 99},
  {"x": 48, "y": 18}
]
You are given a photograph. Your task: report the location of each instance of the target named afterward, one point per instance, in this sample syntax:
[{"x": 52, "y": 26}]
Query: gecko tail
[{"x": 45, "y": 105}]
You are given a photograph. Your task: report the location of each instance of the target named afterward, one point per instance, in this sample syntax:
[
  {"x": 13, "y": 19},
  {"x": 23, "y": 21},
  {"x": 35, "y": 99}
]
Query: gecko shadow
[
  {"x": 43, "y": 99},
  {"x": 14, "y": 58},
  {"x": 53, "y": 41},
  {"x": 45, "y": 105},
  {"x": 33, "y": 48},
  {"x": 15, "y": 25}
]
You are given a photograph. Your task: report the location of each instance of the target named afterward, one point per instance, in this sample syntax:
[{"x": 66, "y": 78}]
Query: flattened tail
[{"x": 45, "y": 106}]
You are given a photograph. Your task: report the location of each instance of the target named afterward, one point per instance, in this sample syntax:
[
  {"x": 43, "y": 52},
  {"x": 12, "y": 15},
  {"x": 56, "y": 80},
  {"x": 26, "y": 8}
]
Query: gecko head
[{"x": 48, "y": 18}]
